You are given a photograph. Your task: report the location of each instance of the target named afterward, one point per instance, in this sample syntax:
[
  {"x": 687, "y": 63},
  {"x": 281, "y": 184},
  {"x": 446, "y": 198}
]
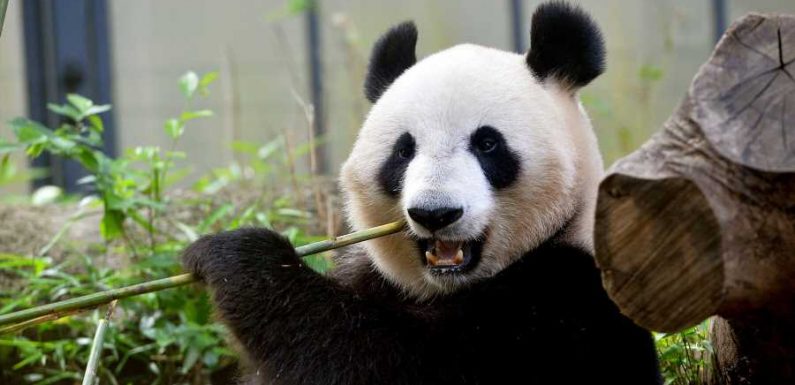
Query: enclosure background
[{"x": 654, "y": 49}]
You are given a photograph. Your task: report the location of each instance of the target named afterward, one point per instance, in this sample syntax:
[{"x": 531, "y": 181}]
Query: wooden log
[{"x": 701, "y": 219}]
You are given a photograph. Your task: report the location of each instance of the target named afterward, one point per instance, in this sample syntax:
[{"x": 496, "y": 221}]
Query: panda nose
[{"x": 437, "y": 218}]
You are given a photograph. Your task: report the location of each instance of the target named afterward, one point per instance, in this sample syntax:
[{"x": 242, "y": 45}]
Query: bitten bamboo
[
  {"x": 96, "y": 299},
  {"x": 96, "y": 347}
]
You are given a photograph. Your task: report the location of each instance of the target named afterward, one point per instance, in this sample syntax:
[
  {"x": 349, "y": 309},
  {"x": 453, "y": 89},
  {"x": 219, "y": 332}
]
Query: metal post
[
  {"x": 518, "y": 34},
  {"x": 718, "y": 18},
  {"x": 66, "y": 51},
  {"x": 314, "y": 46}
]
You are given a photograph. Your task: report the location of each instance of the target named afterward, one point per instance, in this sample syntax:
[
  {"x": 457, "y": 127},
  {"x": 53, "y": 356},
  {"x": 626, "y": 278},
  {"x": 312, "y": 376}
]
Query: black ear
[
  {"x": 392, "y": 54},
  {"x": 565, "y": 44}
]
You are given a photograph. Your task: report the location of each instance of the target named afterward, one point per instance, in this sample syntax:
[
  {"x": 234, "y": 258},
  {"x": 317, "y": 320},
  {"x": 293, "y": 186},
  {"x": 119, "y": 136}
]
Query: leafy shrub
[
  {"x": 685, "y": 356},
  {"x": 167, "y": 337}
]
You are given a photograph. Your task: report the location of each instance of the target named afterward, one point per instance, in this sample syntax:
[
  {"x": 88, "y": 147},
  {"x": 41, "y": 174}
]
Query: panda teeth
[
  {"x": 434, "y": 259},
  {"x": 431, "y": 258},
  {"x": 459, "y": 257}
]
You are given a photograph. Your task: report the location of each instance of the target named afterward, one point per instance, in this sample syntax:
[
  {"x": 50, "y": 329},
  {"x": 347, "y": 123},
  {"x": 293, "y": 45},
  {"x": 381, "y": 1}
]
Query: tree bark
[{"x": 700, "y": 220}]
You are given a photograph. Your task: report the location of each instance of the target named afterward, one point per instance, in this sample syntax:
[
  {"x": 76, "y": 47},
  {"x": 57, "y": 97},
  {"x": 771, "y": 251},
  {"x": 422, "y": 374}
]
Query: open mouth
[{"x": 447, "y": 256}]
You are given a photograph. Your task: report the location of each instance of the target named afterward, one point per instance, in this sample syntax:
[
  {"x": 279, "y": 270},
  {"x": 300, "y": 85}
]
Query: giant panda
[{"x": 491, "y": 159}]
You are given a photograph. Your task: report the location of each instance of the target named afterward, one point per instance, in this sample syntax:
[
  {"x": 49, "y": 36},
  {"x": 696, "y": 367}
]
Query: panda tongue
[{"x": 447, "y": 251}]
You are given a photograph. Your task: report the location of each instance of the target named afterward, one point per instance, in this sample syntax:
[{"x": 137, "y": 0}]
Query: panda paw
[{"x": 237, "y": 253}]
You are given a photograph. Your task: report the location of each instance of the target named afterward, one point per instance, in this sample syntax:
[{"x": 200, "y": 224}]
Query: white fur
[
  {"x": 444, "y": 173},
  {"x": 441, "y": 101}
]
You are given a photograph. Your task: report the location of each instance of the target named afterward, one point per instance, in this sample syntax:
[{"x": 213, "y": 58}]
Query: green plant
[
  {"x": 10, "y": 173},
  {"x": 31, "y": 316},
  {"x": 173, "y": 327},
  {"x": 162, "y": 338},
  {"x": 125, "y": 188},
  {"x": 685, "y": 356}
]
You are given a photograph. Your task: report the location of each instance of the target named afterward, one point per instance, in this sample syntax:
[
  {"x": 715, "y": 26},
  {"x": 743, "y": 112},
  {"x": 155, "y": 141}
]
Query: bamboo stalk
[
  {"x": 38, "y": 320},
  {"x": 96, "y": 346},
  {"x": 96, "y": 299}
]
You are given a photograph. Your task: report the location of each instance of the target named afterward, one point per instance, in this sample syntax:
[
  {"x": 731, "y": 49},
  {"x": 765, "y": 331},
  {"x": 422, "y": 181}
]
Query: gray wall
[
  {"x": 260, "y": 63},
  {"x": 654, "y": 49}
]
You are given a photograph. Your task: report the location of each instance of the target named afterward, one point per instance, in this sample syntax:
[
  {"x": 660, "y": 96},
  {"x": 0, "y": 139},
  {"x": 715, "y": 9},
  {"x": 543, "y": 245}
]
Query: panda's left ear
[
  {"x": 566, "y": 45},
  {"x": 392, "y": 54}
]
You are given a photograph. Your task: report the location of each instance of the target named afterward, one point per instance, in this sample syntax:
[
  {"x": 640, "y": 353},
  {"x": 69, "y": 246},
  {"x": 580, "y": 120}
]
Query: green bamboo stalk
[
  {"x": 97, "y": 299},
  {"x": 96, "y": 347},
  {"x": 38, "y": 320},
  {"x": 3, "y": 6}
]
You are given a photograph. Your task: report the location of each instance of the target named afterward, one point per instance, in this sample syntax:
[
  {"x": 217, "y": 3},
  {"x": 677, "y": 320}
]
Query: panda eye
[
  {"x": 405, "y": 153},
  {"x": 487, "y": 145}
]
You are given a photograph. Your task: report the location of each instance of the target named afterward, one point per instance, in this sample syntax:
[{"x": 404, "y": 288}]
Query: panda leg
[{"x": 294, "y": 321}]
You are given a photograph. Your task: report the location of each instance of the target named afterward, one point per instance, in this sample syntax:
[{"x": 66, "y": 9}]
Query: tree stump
[{"x": 700, "y": 220}]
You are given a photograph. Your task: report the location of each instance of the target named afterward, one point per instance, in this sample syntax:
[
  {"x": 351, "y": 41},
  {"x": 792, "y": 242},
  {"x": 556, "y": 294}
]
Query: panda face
[{"x": 483, "y": 159}]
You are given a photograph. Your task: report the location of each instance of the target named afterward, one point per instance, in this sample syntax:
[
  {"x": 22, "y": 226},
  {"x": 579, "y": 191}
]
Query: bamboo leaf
[
  {"x": 174, "y": 128},
  {"x": 30, "y": 132},
  {"x": 190, "y": 115},
  {"x": 65, "y": 110},
  {"x": 214, "y": 217},
  {"x": 188, "y": 84},
  {"x": 94, "y": 110},
  {"x": 81, "y": 103},
  {"x": 111, "y": 226},
  {"x": 207, "y": 79},
  {"x": 96, "y": 123}
]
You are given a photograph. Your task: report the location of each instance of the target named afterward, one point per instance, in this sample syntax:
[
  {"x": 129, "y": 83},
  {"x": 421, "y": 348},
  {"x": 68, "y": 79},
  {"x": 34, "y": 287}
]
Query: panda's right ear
[{"x": 392, "y": 54}]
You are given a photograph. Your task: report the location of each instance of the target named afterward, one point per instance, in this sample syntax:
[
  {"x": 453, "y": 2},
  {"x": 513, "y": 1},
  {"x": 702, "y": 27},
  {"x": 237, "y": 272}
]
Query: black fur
[
  {"x": 390, "y": 176},
  {"x": 500, "y": 165},
  {"x": 565, "y": 44},
  {"x": 392, "y": 54},
  {"x": 543, "y": 320}
]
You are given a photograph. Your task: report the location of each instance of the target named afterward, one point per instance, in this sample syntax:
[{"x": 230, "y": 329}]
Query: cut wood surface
[
  {"x": 700, "y": 220},
  {"x": 744, "y": 97}
]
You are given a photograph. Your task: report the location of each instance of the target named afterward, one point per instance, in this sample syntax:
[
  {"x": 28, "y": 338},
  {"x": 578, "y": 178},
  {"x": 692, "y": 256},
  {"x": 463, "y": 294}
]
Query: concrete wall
[
  {"x": 654, "y": 49},
  {"x": 260, "y": 64}
]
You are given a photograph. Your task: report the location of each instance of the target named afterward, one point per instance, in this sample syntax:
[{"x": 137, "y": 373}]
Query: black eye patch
[
  {"x": 390, "y": 177},
  {"x": 499, "y": 163}
]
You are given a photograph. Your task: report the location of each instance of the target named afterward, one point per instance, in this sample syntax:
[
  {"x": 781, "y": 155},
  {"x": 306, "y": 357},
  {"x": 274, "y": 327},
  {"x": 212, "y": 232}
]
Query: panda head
[{"x": 485, "y": 153}]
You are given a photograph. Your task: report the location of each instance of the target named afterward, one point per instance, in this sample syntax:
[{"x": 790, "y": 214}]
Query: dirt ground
[{"x": 25, "y": 229}]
